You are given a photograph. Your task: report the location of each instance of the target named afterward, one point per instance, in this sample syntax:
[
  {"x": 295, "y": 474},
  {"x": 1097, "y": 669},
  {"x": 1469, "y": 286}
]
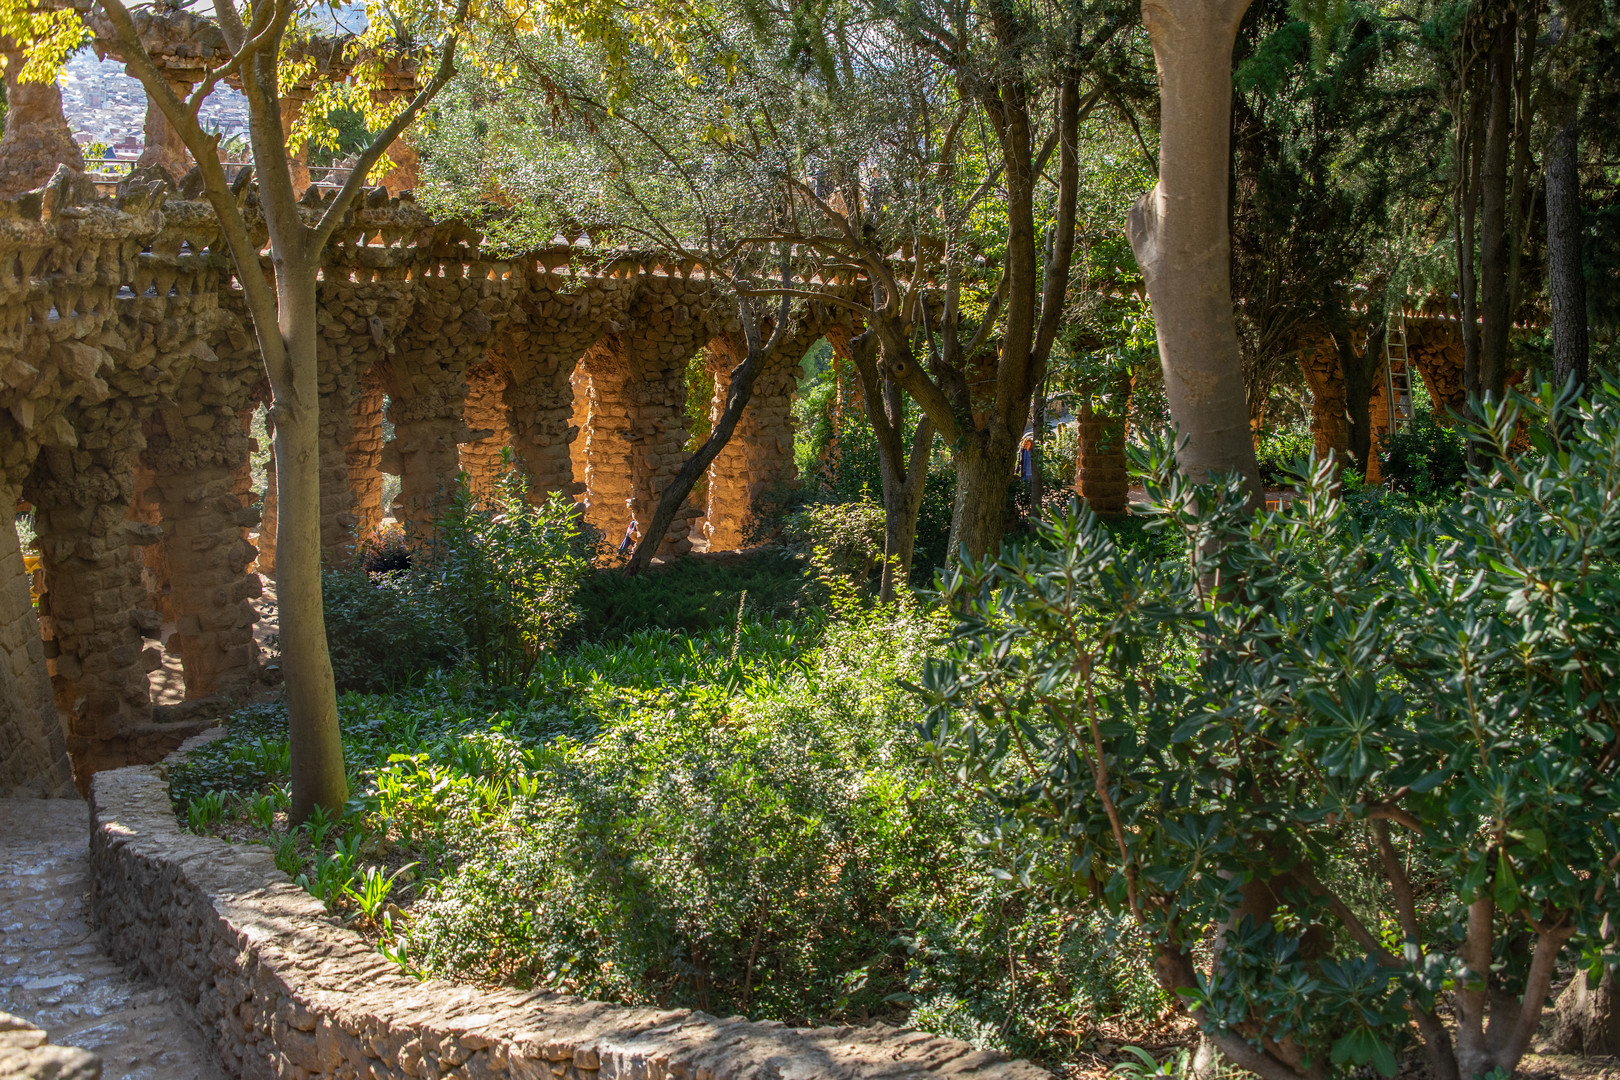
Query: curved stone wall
[{"x": 283, "y": 990}]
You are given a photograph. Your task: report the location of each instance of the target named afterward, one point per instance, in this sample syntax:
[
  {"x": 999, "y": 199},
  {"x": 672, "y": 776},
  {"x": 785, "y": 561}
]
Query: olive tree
[{"x": 1380, "y": 769}]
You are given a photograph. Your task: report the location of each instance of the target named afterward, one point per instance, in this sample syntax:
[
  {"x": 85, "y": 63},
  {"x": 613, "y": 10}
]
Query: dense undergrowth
[
  {"x": 742, "y": 786},
  {"x": 738, "y": 819}
]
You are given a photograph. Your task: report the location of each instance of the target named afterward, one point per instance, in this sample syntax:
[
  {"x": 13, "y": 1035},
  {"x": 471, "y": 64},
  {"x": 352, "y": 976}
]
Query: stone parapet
[{"x": 283, "y": 990}]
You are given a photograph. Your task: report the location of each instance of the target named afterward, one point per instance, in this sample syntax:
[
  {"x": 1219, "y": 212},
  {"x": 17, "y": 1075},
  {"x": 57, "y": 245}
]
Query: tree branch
[{"x": 370, "y": 155}]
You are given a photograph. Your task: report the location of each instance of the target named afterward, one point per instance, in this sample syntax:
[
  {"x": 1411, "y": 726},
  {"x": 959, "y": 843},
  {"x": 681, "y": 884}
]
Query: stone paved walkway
[{"x": 52, "y": 970}]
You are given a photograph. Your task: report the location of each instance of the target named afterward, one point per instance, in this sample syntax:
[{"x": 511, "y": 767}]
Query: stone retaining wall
[
  {"x": 25, "y": 1054},
  {"x": 284, "y": 991}
]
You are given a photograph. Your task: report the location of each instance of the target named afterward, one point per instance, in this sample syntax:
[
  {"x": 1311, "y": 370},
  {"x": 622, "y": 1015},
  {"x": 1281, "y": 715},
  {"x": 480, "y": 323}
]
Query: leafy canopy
[{"x": 1382, "y": 765}]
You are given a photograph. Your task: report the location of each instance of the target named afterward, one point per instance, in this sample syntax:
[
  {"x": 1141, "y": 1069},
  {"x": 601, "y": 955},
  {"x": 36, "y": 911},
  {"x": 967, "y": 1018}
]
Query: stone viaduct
[{"x": 129, "y": 377}]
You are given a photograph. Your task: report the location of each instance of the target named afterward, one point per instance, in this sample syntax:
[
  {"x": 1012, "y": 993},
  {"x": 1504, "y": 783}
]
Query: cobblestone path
[{"x": 52, "y": 970}]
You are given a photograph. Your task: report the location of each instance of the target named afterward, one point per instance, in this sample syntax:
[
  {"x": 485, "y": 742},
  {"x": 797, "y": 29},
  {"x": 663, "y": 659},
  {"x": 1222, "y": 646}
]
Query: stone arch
[
  {"x": 555, "y": 321},
  {"x": 669, "y": 323},
  {"x": 359, "y": 321},
  {"x": 197, "y": 455},
  {"x": 459, "y": 305},
  {"x": 1436, "y": 348},
  {"x": 758, "y": 459}
]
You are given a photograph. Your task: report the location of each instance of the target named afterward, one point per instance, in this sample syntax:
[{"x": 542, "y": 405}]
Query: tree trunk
[
  {"x": 1360, "y": 371},
  {"x": 903, "y": 473},
  {"x": 1493, "y": 239},
  {"x": 1586, "y": 1019},
  {"x": 902, "y": 503},
  {"x": 1468, "y": 143},
  {"x": 318, "y": 777},
  {"x": 1359, "y": 387},
  {"x": 738, "y": 394},
  {"x": 1566, "y": 282},
  {"x": 1183, "y": 242},
  {"x": 984, "y": 469},
  {"x": 1038, "y": 429}
]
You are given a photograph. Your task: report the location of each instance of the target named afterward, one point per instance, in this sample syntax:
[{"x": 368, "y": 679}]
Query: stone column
[
  {"x": 555, "y": 320},
  {"x": 545, "y": 434},
  {"x": 1330, "y": 430},
  {"x": 608, "y": 464},
  {"x": 399, "y": 84},
  {"x": 485, "y": 416},
  {"x": 164, "y": 147},
  {"x": 458, "y": 307},
  {"x": 37, "y": 138},
  {"x": 364, "y": 456},
  {"x": 1435, "y": 347},
  {"x": 197, "y": 460},
  {"x": 758, "y": 460},
  {"x": 33, "y": 750},
  {"x": 1101, "y": 473},
  {"x": 667, "y": 325},
  {"x": 154, "y": 560},
  {"x": 292, "y": 102},
  {"x": 91, "y": 614},
  {"x": 359, "y": 320}
]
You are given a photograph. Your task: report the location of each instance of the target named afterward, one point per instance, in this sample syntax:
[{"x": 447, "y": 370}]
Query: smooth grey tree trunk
[
  {"x": 318, "y": 775},
  {"x": 1182, "y": 238}
]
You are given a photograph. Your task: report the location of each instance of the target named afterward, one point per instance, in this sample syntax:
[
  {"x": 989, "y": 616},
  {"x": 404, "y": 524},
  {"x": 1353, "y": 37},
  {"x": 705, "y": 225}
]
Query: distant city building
[{"x": 103, "y": 105}]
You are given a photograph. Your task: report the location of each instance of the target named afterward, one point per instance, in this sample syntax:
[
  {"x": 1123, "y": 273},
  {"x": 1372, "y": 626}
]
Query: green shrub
[
  {"x": 503, "y": 575},
  {"x": 692, "y": 595},
  {"x": 1382, "y": 767},
  {"x": 851, "y": 474},
  {"x": 496, "y": 583},
  {"x": 1425, "y": 457},
  {"x": 1281, "y": 452},
  {"x": 739, "y": 856},
  {"x": 843, "y": 540},
  {"x": 782, "y": 849},
  {"x": 381, "y": 630}
]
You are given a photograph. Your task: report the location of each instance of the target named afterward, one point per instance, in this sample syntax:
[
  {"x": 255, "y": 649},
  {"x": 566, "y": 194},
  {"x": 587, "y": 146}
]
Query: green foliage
[
  {"x": 844, "y": 540},
  {"x": 504, "y": 574},
  {"x": 1282, "y": 453},
  {"x": 384, "y": 629},
  {"x": 739, "y": 818},
  {"x": 852, "y": 474},
  {"x": 497, "y": 584},
  {"x": 1363, "y": 760},
  {"x": 1425, "y": 457},
  {"x": 692, "y": 595},
  {"x": 204, "y": 810}
]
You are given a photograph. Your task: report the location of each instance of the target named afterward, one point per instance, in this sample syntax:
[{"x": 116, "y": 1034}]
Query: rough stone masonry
[
  {"x": 283, "y": 990},
  {"x": 129, "y": 377}
]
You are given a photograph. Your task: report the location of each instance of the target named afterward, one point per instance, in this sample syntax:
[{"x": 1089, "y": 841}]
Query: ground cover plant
[
  {"x": 738, "y": 819},
  {"x": 1376, "y": 768}
]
